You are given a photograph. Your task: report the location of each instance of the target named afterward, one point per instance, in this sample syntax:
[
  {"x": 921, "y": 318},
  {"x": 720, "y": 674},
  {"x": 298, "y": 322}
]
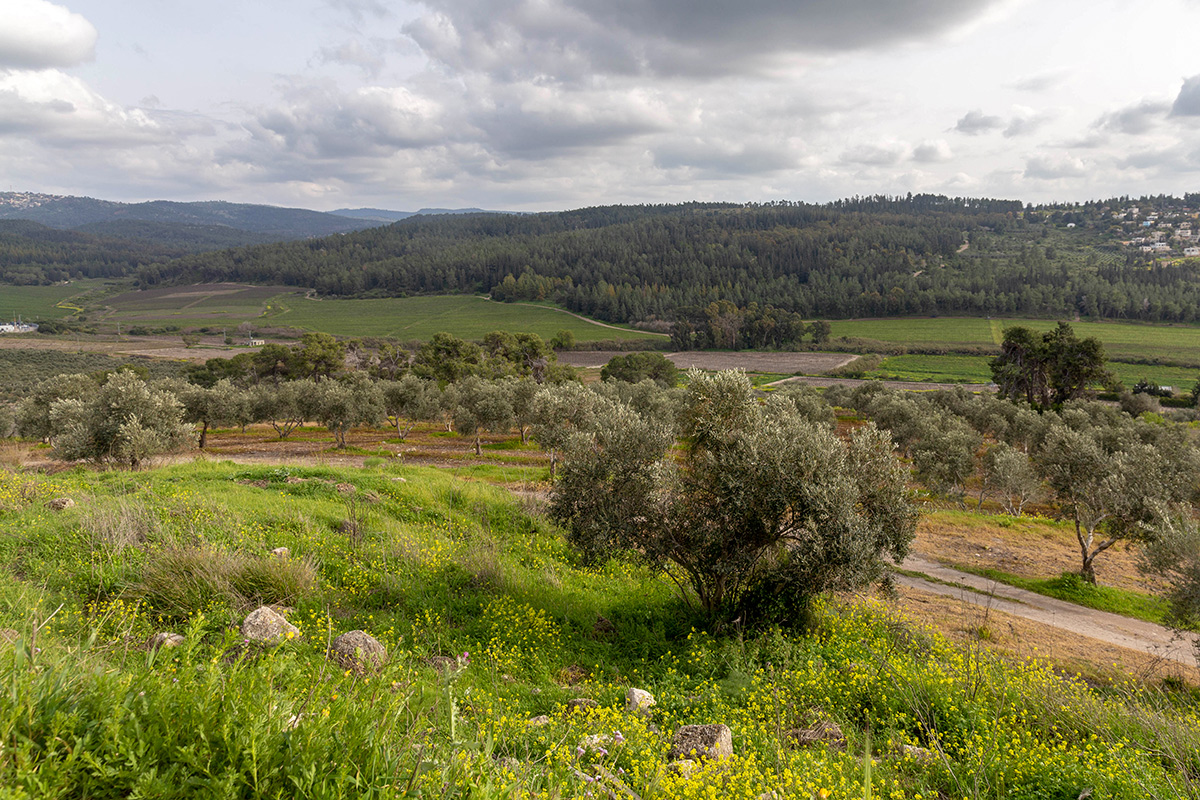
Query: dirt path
[
  {"x": 594, "y": 322},
  {"x": 1134, "y": 634},
  {"x": 907, "y": 386}
]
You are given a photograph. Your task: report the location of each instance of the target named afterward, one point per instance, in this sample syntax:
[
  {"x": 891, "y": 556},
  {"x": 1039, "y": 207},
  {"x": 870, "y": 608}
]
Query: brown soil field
[
  {"x": 782, "y": 363},
  {"x": 170, "y": 346},
  {"x": 904, "y": 386},
  {"x": 177, "y": 297}
]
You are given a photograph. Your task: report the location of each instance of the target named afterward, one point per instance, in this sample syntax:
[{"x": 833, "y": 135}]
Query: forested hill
[
  {"x": 858, "y": 257},
  {"x": 31, "y": 253}
]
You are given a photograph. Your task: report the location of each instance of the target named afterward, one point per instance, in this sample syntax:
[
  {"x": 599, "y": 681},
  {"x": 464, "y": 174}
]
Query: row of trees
[
  {"x": 1115, "y": 477},
  {"x": 750, "y": 506},
  {"x": 444, "y": 358}
]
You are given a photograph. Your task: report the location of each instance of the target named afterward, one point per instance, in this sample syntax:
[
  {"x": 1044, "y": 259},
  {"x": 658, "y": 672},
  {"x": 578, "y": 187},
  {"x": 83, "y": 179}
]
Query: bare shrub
[
  {"x": 179, "y": 581},
  {"x": 114, "y": 526},
  {"x": 481, "y": 560},
  {"x": 274, "y": 580}
]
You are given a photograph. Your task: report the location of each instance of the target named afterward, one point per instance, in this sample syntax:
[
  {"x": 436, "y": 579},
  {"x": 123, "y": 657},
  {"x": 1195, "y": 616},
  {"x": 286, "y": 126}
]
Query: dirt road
[
  {"x": 906, "y": 386},
  {"x": 1134, "y": 634}
]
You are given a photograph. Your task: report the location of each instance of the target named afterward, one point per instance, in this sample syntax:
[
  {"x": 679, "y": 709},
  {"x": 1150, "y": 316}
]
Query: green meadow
[
  {"x": 406, "y": 318},
  {"x": 1178, "y": 343},
  {"x": 974, "y": 369},
  {"x": 508, "y": 661},
  {"x": 33, "y": 302}
]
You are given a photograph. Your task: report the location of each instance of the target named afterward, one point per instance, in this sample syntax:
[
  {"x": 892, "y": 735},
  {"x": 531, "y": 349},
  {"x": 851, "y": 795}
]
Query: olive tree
[
  {"x": 408, "y": 401},
  {"x": 33, "y": 412},
  {"x": 757, "y": 508},
  {"x": 944, "y": 457},
  {"x": 286, "y": 405},
  {"x": 1173, "y": 554},
  {"x": 477, "y": 406},
  {"x": 562, "y": 411},
  {"x": 125, "y": 421},
  {"x": 1009, "y": 472},
  {"x": 345, "y": 404}
]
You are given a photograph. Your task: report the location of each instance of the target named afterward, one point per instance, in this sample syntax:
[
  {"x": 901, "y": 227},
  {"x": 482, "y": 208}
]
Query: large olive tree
[
  {"x": 756, "y": 506},
  {"x": 125, "y": 421}
]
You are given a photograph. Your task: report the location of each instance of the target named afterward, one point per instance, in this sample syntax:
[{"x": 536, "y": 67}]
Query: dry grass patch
[
  {"x": 1017, "y": 639},
  {"x": 1026, "y": 546}
]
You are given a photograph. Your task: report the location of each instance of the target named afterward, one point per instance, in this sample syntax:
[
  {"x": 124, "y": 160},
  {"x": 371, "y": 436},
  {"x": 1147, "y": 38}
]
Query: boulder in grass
[
  {"x": 267, "y": 626},
  {"x": 359, "y": 651},
  {"x": 702, "y": 741},
  {"x": 638, "y": 701},
  {"x": 581, "y": 704},
  {"x": 165, "y": 639},
  {"x": 825, "y": 732},
  {"x": 281, "y": 552},
  {"x": 60, "y": 504}
]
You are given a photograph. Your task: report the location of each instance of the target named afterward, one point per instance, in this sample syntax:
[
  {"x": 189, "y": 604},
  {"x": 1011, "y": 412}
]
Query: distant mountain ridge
[
  {"x": 106, "y": 217},
  {"x": 384, "y": 215}
]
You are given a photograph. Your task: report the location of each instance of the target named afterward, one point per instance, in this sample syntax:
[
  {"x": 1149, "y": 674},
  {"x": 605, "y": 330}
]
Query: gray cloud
[
  {"x": 37, "y": 34},
  {"x": 1041, "y": 82},
  {"x": 1054, "y": 167},
  {"x": 1025, "y": 122},
  {"x": 322, "y": 122},
  {"x": 1134, "y": 119},
  {"x": 932, "y": 152},
  {"x": 976, "y": 122},
  {"x": 354, "y": 53},
  {"x": 724, "y": 159},
  {"x": 873, "y": 155},
  {"x": 569, "y": 39},
  {"x": 1187, "y": 104}
]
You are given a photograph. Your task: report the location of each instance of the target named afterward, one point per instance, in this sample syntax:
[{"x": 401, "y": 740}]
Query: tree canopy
[{"x": 758, "y": 507}]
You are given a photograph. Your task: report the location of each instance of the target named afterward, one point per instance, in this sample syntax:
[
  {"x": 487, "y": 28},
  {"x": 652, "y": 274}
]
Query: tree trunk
[
  {"x": 1088, "y": 571},
  {"x": 478, "y": 450},
  {"x": 204, "y": 434}
]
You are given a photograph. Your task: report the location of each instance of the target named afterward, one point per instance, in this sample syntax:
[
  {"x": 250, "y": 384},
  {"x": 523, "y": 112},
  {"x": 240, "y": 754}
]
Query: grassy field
[
  {"x": 32, "y": 302},
  {"x": 492, "y": 628},
  {"x": 406, "y": 318},
  {"x": 974, "y": 369},
  {"x": 1121, "y": 340}
]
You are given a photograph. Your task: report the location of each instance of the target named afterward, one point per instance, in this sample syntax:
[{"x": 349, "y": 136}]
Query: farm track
[
  {"x": 1135, "y": 634},
  {"x": 907, "y": 386}
]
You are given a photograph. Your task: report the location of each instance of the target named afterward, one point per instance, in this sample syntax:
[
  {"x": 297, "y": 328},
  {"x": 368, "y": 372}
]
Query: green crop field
[
  {"x": 1178, "y": 343},
  {"x": 974, "y": 369},
  {"x": 466, "y": 316},
  {"x": 33, "y": 302},
  {"x": 421, "y": 317}
]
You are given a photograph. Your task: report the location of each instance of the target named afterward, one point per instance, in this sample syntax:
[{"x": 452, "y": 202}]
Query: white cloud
[
  {"x": 62, "y": 110},
  {"x": 36, "y": 34},
  {"x": 1053, "y": 167}
]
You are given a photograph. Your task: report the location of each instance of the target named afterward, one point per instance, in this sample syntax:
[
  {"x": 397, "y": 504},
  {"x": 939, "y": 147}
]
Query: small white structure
[
  {"x": 18, "y": 327},
  {"x": 257, "y": 342}
]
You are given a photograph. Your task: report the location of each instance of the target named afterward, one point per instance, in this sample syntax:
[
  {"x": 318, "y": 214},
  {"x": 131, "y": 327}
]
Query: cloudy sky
[{"x": 549, "y": 104}]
